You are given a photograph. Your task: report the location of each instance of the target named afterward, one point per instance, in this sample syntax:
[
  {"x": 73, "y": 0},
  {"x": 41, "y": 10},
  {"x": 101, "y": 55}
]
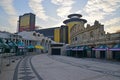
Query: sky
[{"x": 52, "y": 13}]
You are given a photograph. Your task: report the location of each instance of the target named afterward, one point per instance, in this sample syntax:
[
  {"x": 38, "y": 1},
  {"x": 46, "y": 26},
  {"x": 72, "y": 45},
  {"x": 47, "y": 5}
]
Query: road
[{"x": 47, "y": 67}]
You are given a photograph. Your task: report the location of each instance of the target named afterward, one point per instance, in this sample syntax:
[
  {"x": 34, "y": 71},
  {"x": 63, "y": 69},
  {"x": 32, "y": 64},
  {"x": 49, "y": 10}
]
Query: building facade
[
  {"x": 57, "y": 35},
  {"x": 28, "y": 38},
  {"x": 99, "y": 44},
  {"x": 73, "y": 20},
  {"x": 34, "y": 38},
  {"x": 48, "y": 32},
  {"x": 61, "y": 34},
  {"x": 82, "y": 35},
  {"x": 64, "y": 34},
  {"x": 26, "y": 22}
]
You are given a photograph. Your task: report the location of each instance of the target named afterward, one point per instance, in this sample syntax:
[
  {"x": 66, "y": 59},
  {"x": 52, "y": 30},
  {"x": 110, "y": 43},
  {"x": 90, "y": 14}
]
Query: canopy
[
  {"x": 11, "y": 43},
  {"x": 68, "y": 48},
  {"x": 80, "y": 48},
  {"x": 14, "y": 43},
  {"x": 21, "y": 44},
  {"x": 101, "y": 48},
  {"x": 115, "y": 47},
  {"x": 30, "y": 47},
  {"x": 74, "y": 48},
  {"x": 3, "y": 44},
  {"x": 39, "y": 47}
]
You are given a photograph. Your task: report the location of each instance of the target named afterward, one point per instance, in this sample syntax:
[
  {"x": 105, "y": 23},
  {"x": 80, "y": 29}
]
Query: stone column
[
  {"x": 97, "y": 54},
  {"x": 109, "y": 54}
]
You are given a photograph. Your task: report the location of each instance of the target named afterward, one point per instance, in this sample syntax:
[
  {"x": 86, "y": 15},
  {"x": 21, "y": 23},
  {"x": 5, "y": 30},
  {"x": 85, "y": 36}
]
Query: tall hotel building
[{"x": 26, "y": 22}]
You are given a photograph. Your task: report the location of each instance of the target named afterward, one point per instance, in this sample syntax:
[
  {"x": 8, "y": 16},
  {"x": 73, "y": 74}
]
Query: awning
[
  {"x": 80, "y": 48},
  {"x": 30, "y": 47},
  {"x": 3, "y": 44},
  {"x": 11, "y": 43},
  {"x": 115, "y": 48},
  {"x": 39, "y": 47},
  {"x": 21, "y": 44},
  {"x": 14, "y": 43},
  {"x": 101, "y": 48},
  {"x": 75, "y": 48},
  {"x": 68, "y": 48}
]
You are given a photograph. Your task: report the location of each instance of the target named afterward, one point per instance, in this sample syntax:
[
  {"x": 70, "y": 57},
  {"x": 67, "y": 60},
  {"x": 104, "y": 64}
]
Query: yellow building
[
  {"x": 73, "y": 20},
  {"x": 57, "y": 35}
]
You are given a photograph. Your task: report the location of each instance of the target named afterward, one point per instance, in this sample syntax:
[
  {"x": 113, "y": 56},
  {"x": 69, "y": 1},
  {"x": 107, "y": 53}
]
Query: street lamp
[{"x": 1, "y": 50}]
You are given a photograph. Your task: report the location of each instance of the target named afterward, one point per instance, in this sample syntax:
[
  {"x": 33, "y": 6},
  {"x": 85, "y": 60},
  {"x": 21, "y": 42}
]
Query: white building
[{"x": 34, "y": 38}]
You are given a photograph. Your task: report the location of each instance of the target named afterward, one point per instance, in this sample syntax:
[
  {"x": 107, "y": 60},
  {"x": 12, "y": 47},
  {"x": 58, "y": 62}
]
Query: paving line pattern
[
  {"x": 25, "y": 70},
  {"x": 87, "y": 67}
]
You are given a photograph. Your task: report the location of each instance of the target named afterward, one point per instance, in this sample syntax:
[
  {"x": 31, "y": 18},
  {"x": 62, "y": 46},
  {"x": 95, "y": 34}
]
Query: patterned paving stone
[
  {"x": 25, "y": 73},
  {"x": 27, "y": 77},
  {"x": 25, "y": 69}
]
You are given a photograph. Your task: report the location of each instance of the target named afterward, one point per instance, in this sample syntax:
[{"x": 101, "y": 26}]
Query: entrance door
[
  {"x": 93, "y": 53},
  {"x": 55, "y": 51},
  {"x": 80, "y": 54},
  {"x": 102, "y": 54},
  {"x": 116, "y": 55}
]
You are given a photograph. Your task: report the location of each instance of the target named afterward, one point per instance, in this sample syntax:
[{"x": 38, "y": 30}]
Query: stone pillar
[
  {"x": 88, "y": 53},
  {"x": 97, "y": 54},
  {"x": 109, "y": 54}
]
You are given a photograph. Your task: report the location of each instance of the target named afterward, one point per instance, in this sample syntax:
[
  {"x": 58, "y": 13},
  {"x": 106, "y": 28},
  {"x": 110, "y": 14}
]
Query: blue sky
[{"x": 52, "y": 13}]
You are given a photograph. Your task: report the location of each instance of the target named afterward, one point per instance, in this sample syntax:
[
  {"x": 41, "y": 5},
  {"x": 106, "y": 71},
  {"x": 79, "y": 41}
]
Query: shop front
[
  {"x": 101, "y": 51},
  {"x": 115, "y": 52}
]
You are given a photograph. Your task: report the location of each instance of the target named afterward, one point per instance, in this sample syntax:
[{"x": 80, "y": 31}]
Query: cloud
[
  {"x": 112, "y": 21},
  {"x": 99, "y": 9},
  {"x": 58, "y": 25},
  {"x": 112, "y": 25},
  {"x": 64, "y": 7},
  {"x": 113, "y": 29},
  {"x": 36, "y": 6},
  {"x": 7, "y": 5}
]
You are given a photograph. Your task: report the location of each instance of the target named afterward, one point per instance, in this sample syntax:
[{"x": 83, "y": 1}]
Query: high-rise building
[{"x": 26, "y": 22}]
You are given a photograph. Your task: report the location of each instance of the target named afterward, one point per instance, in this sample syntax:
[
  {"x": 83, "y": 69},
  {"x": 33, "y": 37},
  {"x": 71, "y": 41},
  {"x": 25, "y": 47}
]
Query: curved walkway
[{"x": 25, "y": 70}]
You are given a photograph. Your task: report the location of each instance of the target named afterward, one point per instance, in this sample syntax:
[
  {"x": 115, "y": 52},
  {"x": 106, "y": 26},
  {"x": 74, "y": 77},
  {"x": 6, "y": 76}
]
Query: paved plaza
[{"x": 50, "y": 67}]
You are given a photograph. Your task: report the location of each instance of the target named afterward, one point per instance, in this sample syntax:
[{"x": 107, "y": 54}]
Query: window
[
  {"x": 38, "y": 35},
  {"x": 91, "y": 34},
  {"x": 75, "y": 38},
  {"x": 34, "y": 34}
]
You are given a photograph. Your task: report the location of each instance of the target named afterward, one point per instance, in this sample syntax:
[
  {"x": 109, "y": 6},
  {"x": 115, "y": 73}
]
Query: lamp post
[{"x": 0, "y": 59}]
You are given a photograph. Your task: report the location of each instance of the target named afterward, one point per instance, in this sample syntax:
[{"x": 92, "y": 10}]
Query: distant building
[
  {"x": 57, "y": 35},
  {"x": 61, "y": 34},
  {"x": 49, "y": 32},
  {"x": 34, "y": 38},
  {"x": 64, "y": 34},
  {"x": 26, "y": 22}
]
